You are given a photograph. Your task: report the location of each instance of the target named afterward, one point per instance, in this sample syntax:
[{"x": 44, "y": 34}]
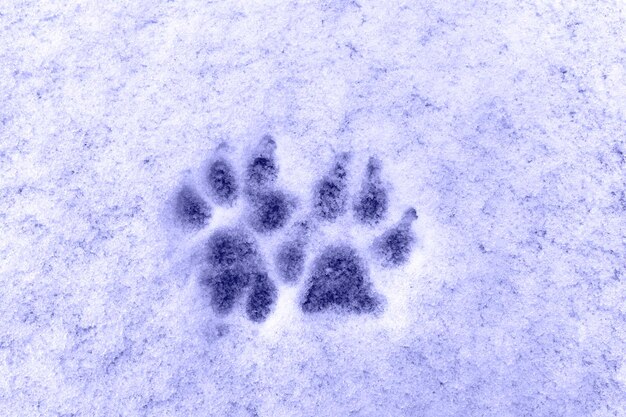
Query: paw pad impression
[{"x": 337, "y": 277}]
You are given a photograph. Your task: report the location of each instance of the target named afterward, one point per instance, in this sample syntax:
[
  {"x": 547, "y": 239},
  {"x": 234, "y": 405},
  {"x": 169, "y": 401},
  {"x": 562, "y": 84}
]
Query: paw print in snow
[{"x": 337, "y": 277}]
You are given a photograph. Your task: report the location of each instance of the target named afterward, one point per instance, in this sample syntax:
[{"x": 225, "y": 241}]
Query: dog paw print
[{"x": 271, "y": 244}]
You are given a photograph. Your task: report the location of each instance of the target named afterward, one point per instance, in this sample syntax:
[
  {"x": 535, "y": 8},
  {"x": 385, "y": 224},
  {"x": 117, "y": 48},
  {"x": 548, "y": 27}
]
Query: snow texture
[{"x": 501, "y": 123}]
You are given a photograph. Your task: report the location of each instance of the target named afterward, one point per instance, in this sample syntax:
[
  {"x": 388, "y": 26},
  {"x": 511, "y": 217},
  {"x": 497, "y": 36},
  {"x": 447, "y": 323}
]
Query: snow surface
[{"x": 502, "y": 123}]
